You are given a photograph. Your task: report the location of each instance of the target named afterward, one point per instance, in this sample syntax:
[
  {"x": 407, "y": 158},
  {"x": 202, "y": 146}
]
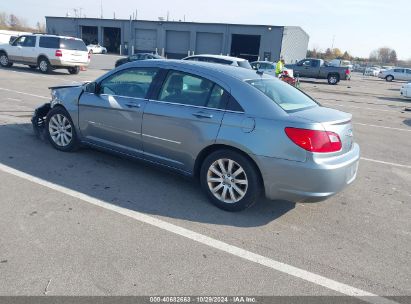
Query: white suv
[{"x": 47, "y": 52}]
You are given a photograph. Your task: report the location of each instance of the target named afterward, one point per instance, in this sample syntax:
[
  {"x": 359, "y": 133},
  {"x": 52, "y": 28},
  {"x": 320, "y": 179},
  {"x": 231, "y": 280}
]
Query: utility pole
[
  {"x": 168, "y": 15},
  {"x": 332, "y": 45}
]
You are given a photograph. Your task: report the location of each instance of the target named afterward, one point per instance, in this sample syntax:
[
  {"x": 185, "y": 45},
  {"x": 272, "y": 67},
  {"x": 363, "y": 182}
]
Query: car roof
[
  {"x": 218, "y": 57},
  {"x": 47, "y": 35},
  {"x": 217, "y": 69}
]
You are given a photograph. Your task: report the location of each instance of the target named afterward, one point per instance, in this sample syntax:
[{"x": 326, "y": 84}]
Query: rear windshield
[
  {"x": 244, "y": 64},
  {"x": 72, "y": 44},
  {"x": 287, "y": 97}
]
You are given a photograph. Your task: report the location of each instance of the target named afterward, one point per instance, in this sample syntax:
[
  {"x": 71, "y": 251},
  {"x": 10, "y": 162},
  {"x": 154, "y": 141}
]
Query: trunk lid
[{"x": 332, "y": 120}]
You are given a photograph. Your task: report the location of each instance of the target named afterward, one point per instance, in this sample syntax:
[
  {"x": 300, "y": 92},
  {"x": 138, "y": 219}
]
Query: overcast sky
[{"x": 358, "y": 26}]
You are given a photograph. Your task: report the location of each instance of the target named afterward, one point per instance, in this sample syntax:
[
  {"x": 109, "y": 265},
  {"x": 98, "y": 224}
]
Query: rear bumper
[
  {"x": 310, "y": 181},
  {"x": 62, "y": 63}
]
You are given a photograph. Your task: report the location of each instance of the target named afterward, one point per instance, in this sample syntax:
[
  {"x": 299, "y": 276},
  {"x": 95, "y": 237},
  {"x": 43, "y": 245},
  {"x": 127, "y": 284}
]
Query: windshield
[
  {"x": 244, "y": 64},
  {"x": 72, "y": 44},
  {"x": 287, "y": 97}
]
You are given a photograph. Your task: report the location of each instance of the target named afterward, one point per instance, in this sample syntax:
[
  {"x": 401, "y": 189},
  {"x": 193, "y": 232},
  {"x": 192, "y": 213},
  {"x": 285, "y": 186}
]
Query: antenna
[{"x": 101, "y": 9}]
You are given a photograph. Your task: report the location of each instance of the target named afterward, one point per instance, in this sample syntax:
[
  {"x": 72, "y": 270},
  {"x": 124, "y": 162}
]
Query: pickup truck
[{"x": 318, "y": 68}]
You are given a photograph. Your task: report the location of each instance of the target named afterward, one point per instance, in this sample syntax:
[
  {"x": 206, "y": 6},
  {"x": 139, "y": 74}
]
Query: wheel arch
[{"x": 3, "y": 51}]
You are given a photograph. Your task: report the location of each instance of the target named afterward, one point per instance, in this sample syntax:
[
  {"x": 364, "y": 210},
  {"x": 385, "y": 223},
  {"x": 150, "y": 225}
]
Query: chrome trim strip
[
  {"x": 164, "y": 139},
  {"x": 192, "y": 106}
]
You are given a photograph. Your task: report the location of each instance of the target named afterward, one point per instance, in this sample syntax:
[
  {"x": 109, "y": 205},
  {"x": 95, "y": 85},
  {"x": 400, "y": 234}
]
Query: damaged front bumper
[{"x": 39, "y": 119}]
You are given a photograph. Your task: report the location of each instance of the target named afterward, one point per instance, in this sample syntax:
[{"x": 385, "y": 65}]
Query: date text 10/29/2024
[{"x": 203, "y": 299}]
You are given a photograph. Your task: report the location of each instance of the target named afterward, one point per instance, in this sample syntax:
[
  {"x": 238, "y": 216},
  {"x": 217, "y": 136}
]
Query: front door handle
[
  {"x": 133, "y": 105},
  {"x": 202, "y": 115}
]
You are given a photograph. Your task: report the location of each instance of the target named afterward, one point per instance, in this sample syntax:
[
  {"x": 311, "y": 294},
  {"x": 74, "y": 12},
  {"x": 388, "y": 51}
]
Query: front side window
[
  {"x": 187, "y": 89},
  {"x": 30, "y": 41},
  {"x": 20, "y": 41},
  {"x": 133, "y": 82},
  {"x": 288, "y": 98},
  {"x": 399, "y": 70}
]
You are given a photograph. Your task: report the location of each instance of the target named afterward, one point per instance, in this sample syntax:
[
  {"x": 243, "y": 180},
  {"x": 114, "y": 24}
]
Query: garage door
[
  {"x": 209, "y": 43},
  {"x": 146, "y": 40},
  {"x": 177, "y": 44}
]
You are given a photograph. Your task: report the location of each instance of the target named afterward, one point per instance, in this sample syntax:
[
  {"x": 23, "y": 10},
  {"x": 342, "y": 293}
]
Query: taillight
[
  {"x": 347, "y": 71},
  {"x": 315, "y": 140},
  {"x": 59, "y": 53}
]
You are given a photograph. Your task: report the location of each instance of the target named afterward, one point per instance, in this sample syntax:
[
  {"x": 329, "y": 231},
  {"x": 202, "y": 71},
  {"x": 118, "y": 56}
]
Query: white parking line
[
  {"x": 385, "y": 163},
  {"x": 208, "y": 241},
  {"x": 382, "y": 127},
  {"x": 24, "y": 93},
  {"x": 13, "y": 99},
  {"x": 354, "y": 107}
]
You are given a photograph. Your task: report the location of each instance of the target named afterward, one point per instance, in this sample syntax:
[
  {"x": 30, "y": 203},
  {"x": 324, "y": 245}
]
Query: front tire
[
  {"x": 230, "y": 180},
  {"x": 4, "y": 61},
  {"x": 389, "y": 78},
  {"x": 61, "y": 131},
  {"x": 74, "y": 70},
  {"x": 44, "y": 65}
]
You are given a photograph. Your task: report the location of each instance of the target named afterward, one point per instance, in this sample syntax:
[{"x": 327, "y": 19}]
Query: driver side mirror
[{"x": 91, "y": 87}]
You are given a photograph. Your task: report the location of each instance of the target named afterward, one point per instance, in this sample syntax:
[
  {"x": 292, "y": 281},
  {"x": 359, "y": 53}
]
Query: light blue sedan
[{"x": 242, "y": 133}]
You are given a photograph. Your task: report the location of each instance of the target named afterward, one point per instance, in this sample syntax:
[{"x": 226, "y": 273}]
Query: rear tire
[
  {"x": 4, "y": 60},
  {"x": 230, "y": 180},
  {"x": 389, "y": 78},
  {"x": 44, "y": 65},
  {"x": 61, "y": 131},
  {"x": 74, "y": 70},
  {"x": 333, "y": 79}
]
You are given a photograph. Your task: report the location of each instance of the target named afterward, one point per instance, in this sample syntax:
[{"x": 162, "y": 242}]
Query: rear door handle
[
  {"x": 202, "y": 115},
  {"x": 133, "y": 105}
]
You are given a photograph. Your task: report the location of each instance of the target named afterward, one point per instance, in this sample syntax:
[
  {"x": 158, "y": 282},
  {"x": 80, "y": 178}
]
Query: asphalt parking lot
[{"x": 90, "y": 223}]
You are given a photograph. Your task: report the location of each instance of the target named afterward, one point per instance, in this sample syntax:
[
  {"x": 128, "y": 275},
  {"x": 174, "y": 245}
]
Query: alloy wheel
[
  {"x": 4, "y": 60},
  {"x": 227, "y": 181},
  {"x": 43, "y": 65},
  {"x": 61, "y": 130}
]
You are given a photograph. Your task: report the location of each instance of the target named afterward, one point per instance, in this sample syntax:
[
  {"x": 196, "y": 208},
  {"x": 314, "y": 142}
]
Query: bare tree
[
  {"x": 3, "y": 19},
  {"x": 393, "y": 57},
  {"x": 40, "y": 27}
]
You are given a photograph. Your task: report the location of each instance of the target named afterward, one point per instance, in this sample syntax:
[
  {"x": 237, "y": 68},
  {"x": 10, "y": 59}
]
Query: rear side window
[
  {"x": 399, "y": 70},
  {"x": 72, "y": 44},
  {"x": 49, "y": 42},
  {"x": 233, "y": 105},
  {"x": 187, "y": 89}
]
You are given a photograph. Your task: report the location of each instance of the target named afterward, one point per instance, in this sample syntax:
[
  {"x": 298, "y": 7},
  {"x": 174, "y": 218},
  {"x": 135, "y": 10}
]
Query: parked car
[
  {"x": 406, "y": 90},
  {"x": 136, "y": 57},
  {"x": 372, "y": 71},
  {"x": 268, "y": 67},
  {"x": 396, "y": 74},
  {"x": 319, "y": 69},
  {"x": 228, "y": 60},
  {"x": 341, "y": 63},
  {"x": 241, "y": 133},
  {"x": 96, "y": 49},
  {"x": 47, "y": 52}
]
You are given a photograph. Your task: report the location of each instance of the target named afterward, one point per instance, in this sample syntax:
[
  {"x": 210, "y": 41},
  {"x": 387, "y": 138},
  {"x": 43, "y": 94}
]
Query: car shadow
[
  {"x": 131, "y": 184},
  {"x": 26, "y": 69},
  {"x": 398, "y": 99}
]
